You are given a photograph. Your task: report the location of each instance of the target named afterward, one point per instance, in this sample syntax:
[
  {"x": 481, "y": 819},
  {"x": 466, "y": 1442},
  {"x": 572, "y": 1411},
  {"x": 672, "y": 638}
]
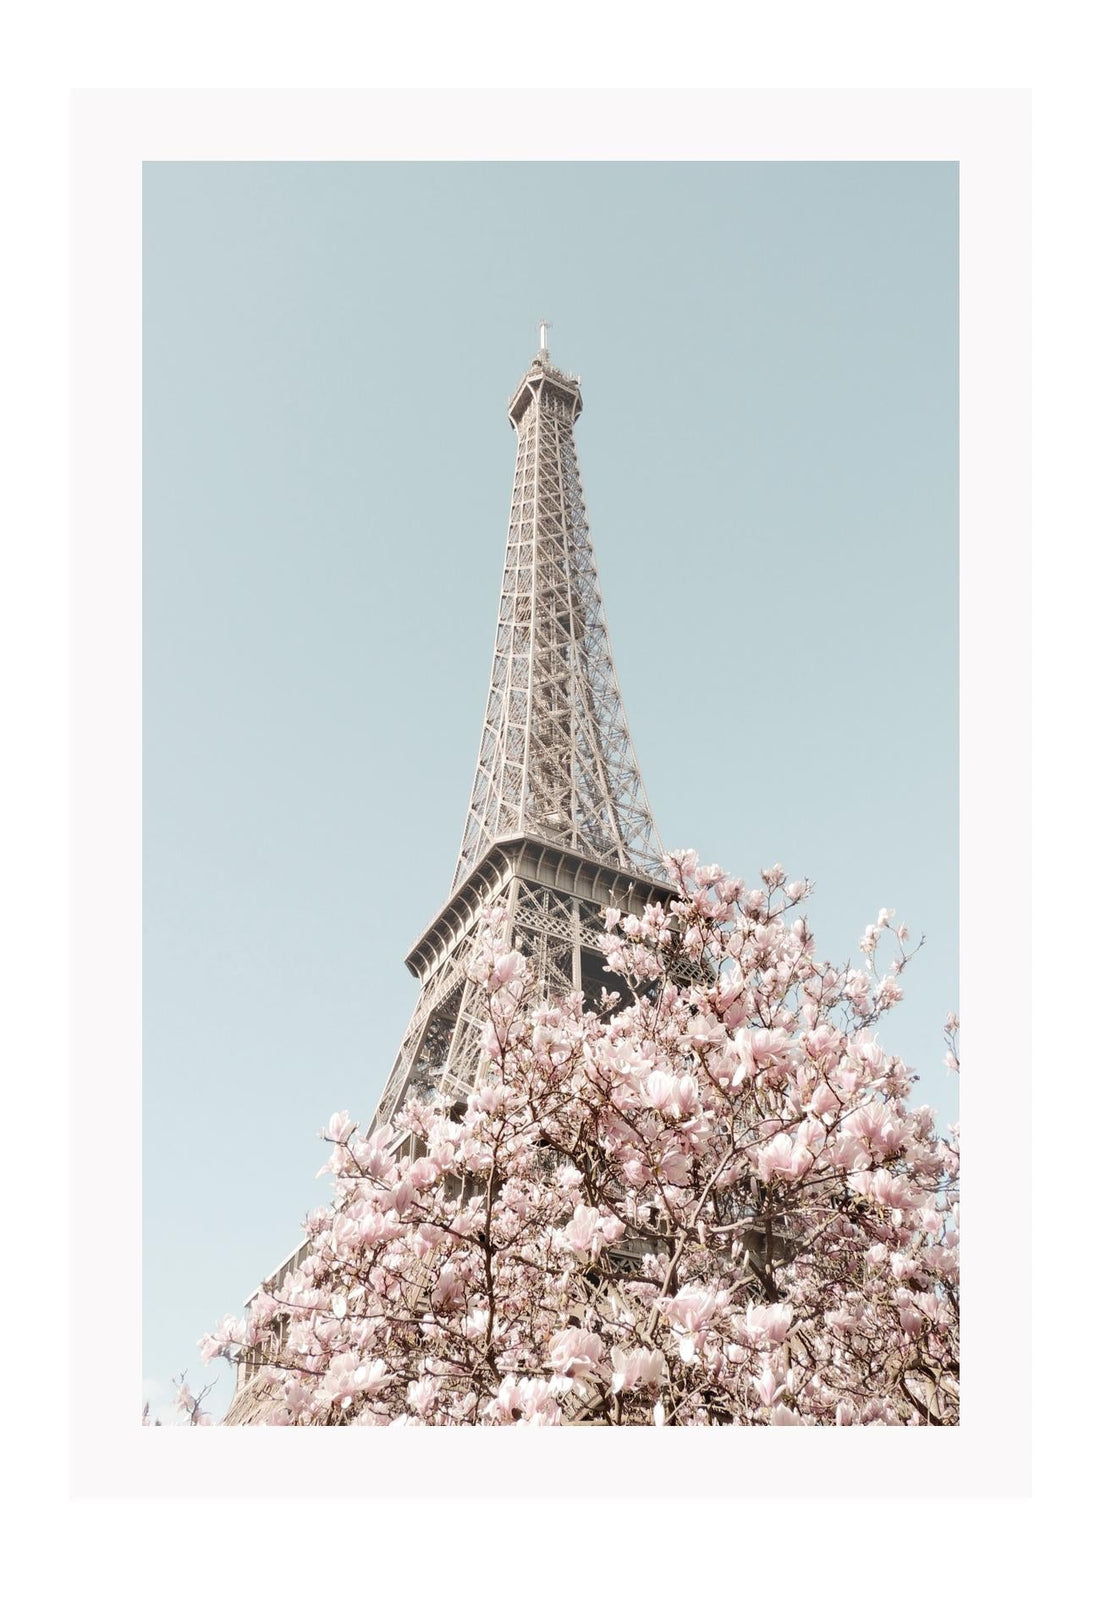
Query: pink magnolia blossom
[
  {"x": 632, "y": 1368},
  {"x": 711, "y": 1204},
  {"x": 784, "y": 1417},
  {"x": 784, "y": 1158},
  {"x": 767, "y": 1324},
  {"x": 575, "y": 1353},
  {"x": 340, "y": 1127},
  {"x": 768, "y": 1387},
  {"x": 582, "y": 1234}
]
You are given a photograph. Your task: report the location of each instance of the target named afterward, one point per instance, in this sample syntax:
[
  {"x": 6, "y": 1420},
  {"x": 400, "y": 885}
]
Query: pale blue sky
[{"x": 769, "y": 448}]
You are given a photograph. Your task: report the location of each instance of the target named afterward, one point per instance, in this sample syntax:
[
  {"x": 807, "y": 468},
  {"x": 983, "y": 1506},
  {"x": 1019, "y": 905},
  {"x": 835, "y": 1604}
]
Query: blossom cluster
[{"x": 711, "y": 1204}]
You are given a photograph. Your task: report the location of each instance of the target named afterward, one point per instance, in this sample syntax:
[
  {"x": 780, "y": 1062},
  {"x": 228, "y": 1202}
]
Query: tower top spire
[{"x": 544, "y": 346}]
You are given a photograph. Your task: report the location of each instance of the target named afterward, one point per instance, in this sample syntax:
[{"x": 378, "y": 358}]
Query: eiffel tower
[{"x": 558, "y": 826}]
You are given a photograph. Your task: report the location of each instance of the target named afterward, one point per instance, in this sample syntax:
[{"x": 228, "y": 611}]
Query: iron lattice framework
[
  {"x": 558, "y": 825},
  {"x": 556, "y": 759}
]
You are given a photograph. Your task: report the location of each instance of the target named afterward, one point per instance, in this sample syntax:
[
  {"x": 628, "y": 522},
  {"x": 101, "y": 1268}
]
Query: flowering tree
[{"x": 709, "y": 1205}]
